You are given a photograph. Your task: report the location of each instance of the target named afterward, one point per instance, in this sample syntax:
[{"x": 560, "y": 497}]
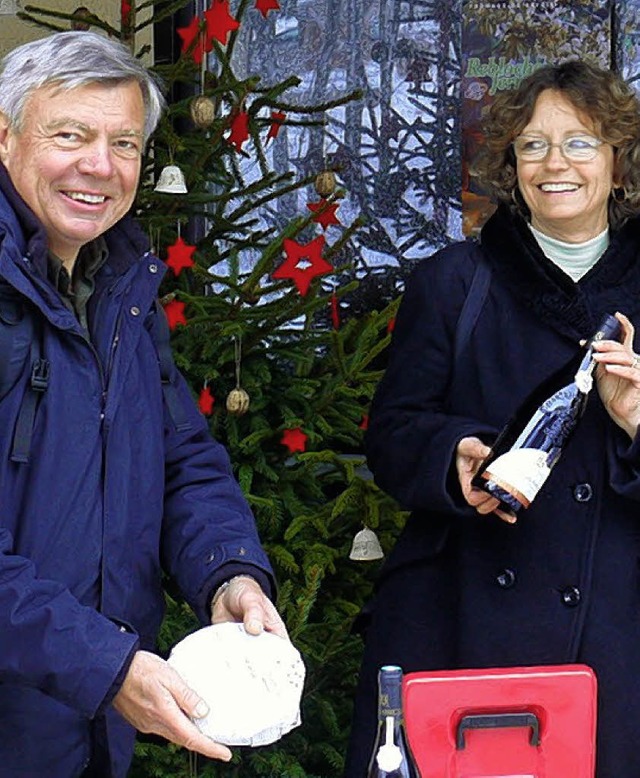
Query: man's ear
[{"x": 5, "y": 133}]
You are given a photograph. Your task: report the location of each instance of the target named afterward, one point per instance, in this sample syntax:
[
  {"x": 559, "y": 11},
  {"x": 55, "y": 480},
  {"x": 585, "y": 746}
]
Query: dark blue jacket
[
  {"x": 563, "y": 584},
  {"x": 112, "y": 495}
]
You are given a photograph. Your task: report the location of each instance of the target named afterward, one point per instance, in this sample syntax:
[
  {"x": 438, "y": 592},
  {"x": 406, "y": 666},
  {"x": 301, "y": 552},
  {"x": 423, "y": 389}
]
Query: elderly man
[{"x": 103, "y": 481}]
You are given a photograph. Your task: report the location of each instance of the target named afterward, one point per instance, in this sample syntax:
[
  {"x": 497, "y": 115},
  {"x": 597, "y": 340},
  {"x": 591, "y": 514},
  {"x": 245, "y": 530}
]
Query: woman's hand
[
  {"x": 618, "y": 378},
  {"x": 470, "y": 453}
]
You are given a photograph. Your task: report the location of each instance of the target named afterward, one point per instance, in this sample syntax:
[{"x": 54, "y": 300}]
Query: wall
[{"x": 15, "y": 31}]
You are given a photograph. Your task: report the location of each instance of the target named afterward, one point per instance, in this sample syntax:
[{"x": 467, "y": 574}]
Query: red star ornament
[
  {"x": 239, "y": 130},
  {"x": 325, "y": 213},
  {"x": 180, "y": 255},
  {"x": 190, "y": 35},
  {"x": 277, "y": 117},
  {"x": 219, "y": 21},
  {"x": 294, "y": 439},
  {"x": 175, "y": 314},
  {"x": 296, "y": 254},
  {"x": 264, "y": 6},
  {"x": 206, "y": 401}
]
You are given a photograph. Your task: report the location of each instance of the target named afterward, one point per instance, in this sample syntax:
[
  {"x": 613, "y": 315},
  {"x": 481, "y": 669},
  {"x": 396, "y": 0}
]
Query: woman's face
[{"x": 567, "y": 199}]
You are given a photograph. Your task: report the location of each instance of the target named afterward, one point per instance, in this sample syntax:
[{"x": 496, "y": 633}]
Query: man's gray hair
[{"x": 69, "y": 60}]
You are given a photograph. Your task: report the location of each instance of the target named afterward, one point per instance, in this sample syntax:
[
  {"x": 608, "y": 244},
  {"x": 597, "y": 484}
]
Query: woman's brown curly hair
[{"x": 600, "y": 96}]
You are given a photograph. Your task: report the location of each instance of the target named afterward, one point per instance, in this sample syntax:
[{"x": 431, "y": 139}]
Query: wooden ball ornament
[
  {"x": 237, "y": 402},
  {"x": 203, "y": 111},
  {"x": 325, "y": 183}
]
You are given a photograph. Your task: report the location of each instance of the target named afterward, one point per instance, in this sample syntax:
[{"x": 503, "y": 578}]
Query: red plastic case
[{"x": 516, "y": 722}]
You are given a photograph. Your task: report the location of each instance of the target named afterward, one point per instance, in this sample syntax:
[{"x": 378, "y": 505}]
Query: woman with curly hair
[{"x": 467, "y": 585}]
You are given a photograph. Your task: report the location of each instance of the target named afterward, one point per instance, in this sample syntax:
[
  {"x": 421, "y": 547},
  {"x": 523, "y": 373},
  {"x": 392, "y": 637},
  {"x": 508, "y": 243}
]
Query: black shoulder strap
[
  {"x": 162, "y": 339},
  {"x": 472, "y": 306},
  {"x": 38, "y": 384}
]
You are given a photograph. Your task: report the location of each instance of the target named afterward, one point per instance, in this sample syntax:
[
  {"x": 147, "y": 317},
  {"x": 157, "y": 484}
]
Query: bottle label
[{"x": 521, "y": 472}]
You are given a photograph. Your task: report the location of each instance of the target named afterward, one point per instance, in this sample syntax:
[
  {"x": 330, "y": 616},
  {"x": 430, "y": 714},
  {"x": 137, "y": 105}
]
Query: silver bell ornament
[
  {"x": 366, "y": 546},
  {"x": 171, "y": 181}
]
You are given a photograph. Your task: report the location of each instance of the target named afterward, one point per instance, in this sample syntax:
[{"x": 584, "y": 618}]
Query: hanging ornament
[
  {"x": 303, "y": 263},
  {"x": 175, "y": 313},
  {"x": 180, "y": 255},
  {"x": 325, "y": 183},
  {"x": 325, "y": 213},
  {"x": 82, "y": 18},
  {"x": 335, "y": 311},
  {"x": 366, "y": 546},
  {"x": 220, "y": 22},
  {"x": 391, "y": 325},
  {"x": 171, "y": 181},
  {"x": 203, "y": 111},
  {"x": 239, "y": 130},
  {"x": 294, "y": 439},
  {"x": 364, "y": 423},
  {"x": 264, "y": 6},
  {"x": 206, "y": 401},
  {"x": 238, "y": 400},
  {"x": 277, "y": 119}
]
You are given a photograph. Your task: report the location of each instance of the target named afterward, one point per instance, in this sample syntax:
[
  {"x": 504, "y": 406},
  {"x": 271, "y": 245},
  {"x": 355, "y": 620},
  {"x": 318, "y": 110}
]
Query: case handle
[{"x": 496, "y": 721}]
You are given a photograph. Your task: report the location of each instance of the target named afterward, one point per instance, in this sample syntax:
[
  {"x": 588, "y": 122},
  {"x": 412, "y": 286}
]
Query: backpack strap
[
  {"x": 38, "y": 384},
  {"x": 472, "y": 306},
  {"x": 161, "y": 337}
]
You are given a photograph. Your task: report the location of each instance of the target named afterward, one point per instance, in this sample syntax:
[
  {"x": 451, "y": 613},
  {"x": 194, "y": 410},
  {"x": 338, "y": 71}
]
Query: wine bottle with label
[
  {"x": 391, "y": 756},
  {"x": 531, "y": 443}
]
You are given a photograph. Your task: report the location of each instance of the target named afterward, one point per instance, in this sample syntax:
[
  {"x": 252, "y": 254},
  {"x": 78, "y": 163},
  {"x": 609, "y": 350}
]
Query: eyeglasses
[{"x": 577, "y": 148}]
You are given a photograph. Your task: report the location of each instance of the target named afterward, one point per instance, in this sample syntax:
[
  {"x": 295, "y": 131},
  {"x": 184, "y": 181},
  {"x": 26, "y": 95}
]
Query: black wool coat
[{"x": 562, "y": 585}]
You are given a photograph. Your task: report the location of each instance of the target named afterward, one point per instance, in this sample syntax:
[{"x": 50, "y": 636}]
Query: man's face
[{"x": 76, "y": 159}]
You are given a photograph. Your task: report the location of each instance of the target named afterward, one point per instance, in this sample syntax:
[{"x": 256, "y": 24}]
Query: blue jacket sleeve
[
  {"x": 209, "y": 533},
  {"x": 50, "y": 641}
]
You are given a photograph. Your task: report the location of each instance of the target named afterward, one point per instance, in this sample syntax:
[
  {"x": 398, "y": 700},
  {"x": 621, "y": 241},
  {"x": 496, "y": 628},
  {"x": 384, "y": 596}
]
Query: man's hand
[
  {"x": 153, "y": 698},
  {"x": 243, "y": 600}
]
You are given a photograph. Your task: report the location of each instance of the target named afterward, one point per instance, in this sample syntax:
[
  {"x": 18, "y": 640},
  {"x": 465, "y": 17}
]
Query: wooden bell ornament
[
  {"x": 203, "y": 111},
  {"x": 238, "y": 400},
  {"x": 325, "y": 183}
]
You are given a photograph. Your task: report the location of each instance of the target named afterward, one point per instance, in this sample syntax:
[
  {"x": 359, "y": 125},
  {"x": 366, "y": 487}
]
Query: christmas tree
[{"x": 259, "y": 309}]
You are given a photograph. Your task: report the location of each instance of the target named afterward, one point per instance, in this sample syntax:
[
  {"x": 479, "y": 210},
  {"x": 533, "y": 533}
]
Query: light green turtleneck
[{"x": 575, "y": 259}]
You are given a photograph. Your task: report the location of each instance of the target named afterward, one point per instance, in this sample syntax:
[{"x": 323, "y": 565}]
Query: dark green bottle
[{"x": 391, "y": 756}]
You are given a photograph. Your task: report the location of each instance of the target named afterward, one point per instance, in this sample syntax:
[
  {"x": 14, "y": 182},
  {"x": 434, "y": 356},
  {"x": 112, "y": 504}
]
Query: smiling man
[{"x": 104, "y": 482}]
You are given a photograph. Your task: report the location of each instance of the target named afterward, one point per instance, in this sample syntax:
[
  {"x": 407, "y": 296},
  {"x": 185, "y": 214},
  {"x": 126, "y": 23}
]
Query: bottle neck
[{"x": 390, "y": 696}]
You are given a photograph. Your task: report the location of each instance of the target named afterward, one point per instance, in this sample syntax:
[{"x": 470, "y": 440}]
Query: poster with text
[{"x": 503, "y": 41}]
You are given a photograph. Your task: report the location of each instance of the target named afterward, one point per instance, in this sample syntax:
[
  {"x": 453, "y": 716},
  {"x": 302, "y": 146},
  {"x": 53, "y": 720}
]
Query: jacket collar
[{"x": 572, "y": 308}]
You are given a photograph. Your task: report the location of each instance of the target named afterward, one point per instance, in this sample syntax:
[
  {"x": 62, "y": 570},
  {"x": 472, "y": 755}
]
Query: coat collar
[{"x": 573, "y": 308}]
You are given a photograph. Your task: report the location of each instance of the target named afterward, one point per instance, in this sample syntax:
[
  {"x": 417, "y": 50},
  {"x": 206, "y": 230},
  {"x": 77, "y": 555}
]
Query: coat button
[
  {"x": 582, "y": 492},
  {"x": 153, "y": 268},
  {"x": 134, "y": 310},
  {"x": 506, "y": 578},
  {"x": 571, "y": 596}
]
